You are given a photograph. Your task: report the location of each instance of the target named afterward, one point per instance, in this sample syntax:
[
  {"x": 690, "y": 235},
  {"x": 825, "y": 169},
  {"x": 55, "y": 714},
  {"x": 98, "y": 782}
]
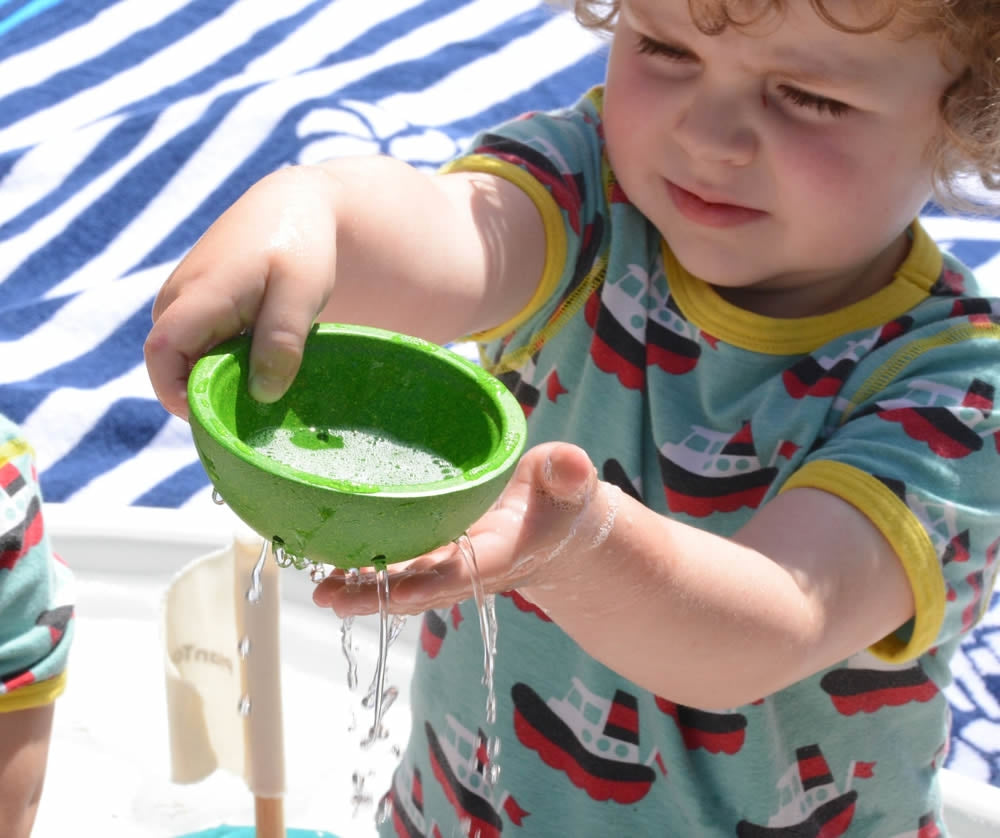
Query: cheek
[{"x": 815, "y": 170}]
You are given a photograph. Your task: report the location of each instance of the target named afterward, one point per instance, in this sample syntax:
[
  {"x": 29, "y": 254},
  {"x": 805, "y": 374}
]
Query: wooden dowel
[{"x": 269, "y": 817}]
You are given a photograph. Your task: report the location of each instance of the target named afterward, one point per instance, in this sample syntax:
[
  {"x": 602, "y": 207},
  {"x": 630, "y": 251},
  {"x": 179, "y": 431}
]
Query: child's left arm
[{"x": 708, "y": 621}]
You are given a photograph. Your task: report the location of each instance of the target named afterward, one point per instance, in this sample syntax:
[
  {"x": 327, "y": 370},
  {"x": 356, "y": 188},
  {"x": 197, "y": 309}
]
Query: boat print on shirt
[
  {"x": 594, "y": 741},
  {"x": 434, "y": 627},
  {"x": 460, "y": 763},
  {"x": 811, "y": 805},
  {"x": 867, "y": 684},
  {"x": 540, "y": 162},
  {"x": 634, "y": 330},
  {"x": 521, "y": 385},
  {"x": 525, "y": 605},
  {"x": 823, "y": 376},
  {"x": 940, "y": 520},
  {"x": 714, "y": 471},
  {"x": 927, "y": 827},
  {"x": 714, "y": 732},
  {"x": 23, "y": 534},
  {"x": 407, "y": 798},
  {"x": 942, "y": 417}
]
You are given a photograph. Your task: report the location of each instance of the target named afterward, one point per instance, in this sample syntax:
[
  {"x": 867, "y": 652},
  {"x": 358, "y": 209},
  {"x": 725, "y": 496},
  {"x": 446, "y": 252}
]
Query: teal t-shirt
[
  {"x": 36, "y": 604},
  {"x": 705, "y": 412}
]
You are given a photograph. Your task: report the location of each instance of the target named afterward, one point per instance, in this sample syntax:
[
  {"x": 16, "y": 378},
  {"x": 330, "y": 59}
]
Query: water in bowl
[{"x": 352, "y": 455}]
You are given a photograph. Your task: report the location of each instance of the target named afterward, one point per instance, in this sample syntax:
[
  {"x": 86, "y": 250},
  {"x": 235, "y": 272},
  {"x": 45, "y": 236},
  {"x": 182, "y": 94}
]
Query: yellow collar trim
[{"x": 702, "y": 305}]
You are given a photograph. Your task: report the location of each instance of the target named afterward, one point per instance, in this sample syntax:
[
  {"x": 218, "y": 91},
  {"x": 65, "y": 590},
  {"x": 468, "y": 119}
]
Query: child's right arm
[{"x": 360, "y": 240}]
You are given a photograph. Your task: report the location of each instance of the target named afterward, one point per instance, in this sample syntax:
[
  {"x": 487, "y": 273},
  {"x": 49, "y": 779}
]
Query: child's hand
[
  {"x": 553, "y": 511},
  {"x": 269, "y": 263}
]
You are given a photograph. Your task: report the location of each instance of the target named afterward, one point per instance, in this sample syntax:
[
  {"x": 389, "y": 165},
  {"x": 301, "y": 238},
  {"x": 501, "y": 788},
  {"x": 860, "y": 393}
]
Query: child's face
[{"x": 815, "y": 138}]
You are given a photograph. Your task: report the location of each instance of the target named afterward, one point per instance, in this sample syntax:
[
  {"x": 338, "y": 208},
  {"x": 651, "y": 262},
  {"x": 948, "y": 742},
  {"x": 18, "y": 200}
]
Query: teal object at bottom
[{"x": 225, "y": 831}]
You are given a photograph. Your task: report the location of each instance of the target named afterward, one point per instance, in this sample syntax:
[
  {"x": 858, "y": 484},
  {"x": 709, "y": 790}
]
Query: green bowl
[{"x": 385, "y": 446}]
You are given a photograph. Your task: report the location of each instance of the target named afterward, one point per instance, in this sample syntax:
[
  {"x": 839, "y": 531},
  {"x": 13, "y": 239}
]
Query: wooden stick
[{"x": 269, "y": 816}]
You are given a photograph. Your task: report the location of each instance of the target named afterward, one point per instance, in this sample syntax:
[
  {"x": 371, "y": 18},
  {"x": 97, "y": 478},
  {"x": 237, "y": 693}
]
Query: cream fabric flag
[{"x": 208, "y": 622}]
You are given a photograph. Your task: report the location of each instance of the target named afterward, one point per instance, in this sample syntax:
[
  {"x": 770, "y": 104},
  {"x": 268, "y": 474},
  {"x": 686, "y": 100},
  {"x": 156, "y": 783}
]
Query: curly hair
[{"x": 968, "y": 144}]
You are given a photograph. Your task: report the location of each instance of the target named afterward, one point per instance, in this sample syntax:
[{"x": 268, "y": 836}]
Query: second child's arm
[{"x": 361, "y": 240}]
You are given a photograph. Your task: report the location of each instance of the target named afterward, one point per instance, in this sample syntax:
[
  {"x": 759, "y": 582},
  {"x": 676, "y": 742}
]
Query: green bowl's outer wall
[{"x": 355, "y": 377}]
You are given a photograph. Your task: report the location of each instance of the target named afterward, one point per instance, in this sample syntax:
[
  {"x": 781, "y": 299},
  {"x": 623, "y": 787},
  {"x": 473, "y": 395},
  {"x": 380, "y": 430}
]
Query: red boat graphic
[
  {"x": 715, "y": 732},
  {"x": 614, "y": 472},
  {"x": 812, "y": 805},
  {"x": 867, "y": 684},
  {"x": 712, "y": 471},
  {"x": 19, "y": 537},
  {"x": 537, "y": 156},
  {"x": 407, "y": 798},
  {"x": 927, "y": 827},
  {"x": 527, "y": 607},
  {"x": 612, "y": 349},
  {"x": 823, "y": 376},
  {"x": 434, "y": 628},
  {"x": 942, "y": 417},
  {"x": 11, "y": 479},
  {"x": 636, "y": 324},
  {"x": 460, "y": 764},
  {"x": 520, "y": 385},
  {"x": 594, "y": 741}
]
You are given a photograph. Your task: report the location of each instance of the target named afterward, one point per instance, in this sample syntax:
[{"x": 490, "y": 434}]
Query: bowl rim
[{"x": 503, "y": 456}]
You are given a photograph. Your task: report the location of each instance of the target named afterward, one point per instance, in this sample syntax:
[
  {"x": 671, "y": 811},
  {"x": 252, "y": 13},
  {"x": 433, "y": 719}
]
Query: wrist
[{"x": 569, "y": 567}]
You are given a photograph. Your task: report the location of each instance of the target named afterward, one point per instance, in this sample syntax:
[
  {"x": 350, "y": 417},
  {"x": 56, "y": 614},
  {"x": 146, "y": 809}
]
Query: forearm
[
  {"x": 24, "y": 747},
  {"x": 365, "y": 240},
  {"x": 689, "y": 615},
  {"x": 432, "y": 245}
]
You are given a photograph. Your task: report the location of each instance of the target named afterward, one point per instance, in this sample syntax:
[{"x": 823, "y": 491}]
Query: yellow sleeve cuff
[
  {"x": 906, "y": 535},
  {"x": 552, "y": 220},
  {"x": 33, "y": 695}
]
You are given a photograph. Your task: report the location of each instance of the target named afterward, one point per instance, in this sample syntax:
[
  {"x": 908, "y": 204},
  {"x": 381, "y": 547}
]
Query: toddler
[
  {"x": 35, "y": 635},
  {"x": 759, "y": 509}
]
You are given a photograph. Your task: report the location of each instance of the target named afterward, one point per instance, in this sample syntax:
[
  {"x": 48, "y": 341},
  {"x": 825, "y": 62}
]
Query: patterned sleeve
[
  {"x": 556, "y": 158},
  {"x": 917, "y": 448},
  {"x": 35, "y": 612}
]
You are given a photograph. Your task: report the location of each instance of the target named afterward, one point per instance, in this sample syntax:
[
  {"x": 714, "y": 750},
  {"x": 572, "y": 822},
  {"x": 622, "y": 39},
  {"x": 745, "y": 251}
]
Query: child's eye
[
  {"x": 821, "y": 104},
  {"x": 647, "y": 46}
]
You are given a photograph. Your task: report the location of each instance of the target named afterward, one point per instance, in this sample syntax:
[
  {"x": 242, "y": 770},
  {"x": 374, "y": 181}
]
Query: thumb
[{"x": 568, "y": 476}]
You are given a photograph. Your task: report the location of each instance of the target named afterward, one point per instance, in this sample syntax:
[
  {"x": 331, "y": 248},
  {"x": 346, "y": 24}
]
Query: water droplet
[
  {"x": 253, "y": 594},
  {"x": 378, "y": 689},
  {"x": 317, "y": 573},
  {"x": 486, "y": 609},
  {"x": 243, "y": 708},
  {"x": 217, "y": 498},
  {"x": 281, "y": 558},
  {"x": 384, "y": 811},
  {"x": 352, "y": 580},
  {"x": 244, "y": 647},
  {"x": 347, "y": 647}
]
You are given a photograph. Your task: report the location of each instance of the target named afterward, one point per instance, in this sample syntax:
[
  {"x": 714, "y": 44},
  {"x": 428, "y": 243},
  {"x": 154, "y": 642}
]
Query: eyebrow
[
  {"x": 804, "y": 67},
  {"x": 840, "y": 70}
]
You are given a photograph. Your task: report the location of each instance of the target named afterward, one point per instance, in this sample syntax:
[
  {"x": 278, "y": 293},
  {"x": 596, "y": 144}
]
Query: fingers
[
  {"x": 546, "y": 511},
  {"x": 267, "y": 263}
]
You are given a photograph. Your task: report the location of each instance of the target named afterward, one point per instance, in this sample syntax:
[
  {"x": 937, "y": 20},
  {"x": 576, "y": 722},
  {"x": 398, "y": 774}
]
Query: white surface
[{"x": 109, "y": 764}]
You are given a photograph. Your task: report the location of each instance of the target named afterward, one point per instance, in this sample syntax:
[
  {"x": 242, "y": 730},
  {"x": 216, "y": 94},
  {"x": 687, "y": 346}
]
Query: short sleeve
[
  {"x": 35, "y": 612},
  {"x": 916, "y": 447},
  {"x": 557, "y": 159}
]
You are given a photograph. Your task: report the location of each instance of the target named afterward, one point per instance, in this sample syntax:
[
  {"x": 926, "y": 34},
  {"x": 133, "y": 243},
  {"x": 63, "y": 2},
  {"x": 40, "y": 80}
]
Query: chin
[{"x": 727, "y": 270}]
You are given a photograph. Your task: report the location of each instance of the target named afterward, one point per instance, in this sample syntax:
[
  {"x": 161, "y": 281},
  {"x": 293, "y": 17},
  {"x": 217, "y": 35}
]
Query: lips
[{"x": 707, "y": 209}]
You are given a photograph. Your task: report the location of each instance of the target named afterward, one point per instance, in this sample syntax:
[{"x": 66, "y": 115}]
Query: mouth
[{"x": 703, "y": 209}]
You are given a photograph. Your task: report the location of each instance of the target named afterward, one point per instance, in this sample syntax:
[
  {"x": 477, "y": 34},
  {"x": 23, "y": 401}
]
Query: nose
[{"x": 712, "y": 126}]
